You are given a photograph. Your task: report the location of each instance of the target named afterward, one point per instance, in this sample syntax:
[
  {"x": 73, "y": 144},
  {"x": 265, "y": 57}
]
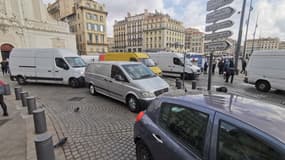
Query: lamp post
[{"x": 248, "y": 20}]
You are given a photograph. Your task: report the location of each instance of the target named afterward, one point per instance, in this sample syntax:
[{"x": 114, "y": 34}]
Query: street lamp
[{"x": 248, "y": 20}]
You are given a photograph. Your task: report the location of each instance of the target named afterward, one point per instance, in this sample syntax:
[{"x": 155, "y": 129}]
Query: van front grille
[{"x": 159, "y": 92}]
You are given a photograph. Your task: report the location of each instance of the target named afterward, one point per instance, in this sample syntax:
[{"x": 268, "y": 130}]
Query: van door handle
[
  {"x": 49, "y": 70},
  {"x": 56, "y": 71},
  {"x": 157, "y": 138},
  {"x": 105, "y": 80},
  {"x": 110, "y": 81}
]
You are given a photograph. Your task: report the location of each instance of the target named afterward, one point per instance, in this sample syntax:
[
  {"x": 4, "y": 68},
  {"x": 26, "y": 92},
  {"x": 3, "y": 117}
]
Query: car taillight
[{"x": 139, "y": 116}]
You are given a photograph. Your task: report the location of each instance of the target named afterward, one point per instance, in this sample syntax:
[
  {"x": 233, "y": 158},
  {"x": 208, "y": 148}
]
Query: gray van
[{"x": 129, "y": 82}]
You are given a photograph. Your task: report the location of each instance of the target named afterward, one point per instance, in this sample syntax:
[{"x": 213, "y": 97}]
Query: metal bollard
[
  {"x": 44, "y": 147},
  {"x": 24, "y": 95},
  {"x": 178, "y": 83},
  {"x": 39, "y": 121},
  {"x": 18, "y": 90},
  {"x": 31, "y": 103},
  {"x": 194, "y": 84}
]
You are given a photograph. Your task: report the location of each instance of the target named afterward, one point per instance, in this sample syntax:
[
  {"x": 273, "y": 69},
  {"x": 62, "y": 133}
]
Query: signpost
[
  {"x": 217, "y": 38},
  {"x": 218, "y": 35},
  {"x": 221, "y": 25}
]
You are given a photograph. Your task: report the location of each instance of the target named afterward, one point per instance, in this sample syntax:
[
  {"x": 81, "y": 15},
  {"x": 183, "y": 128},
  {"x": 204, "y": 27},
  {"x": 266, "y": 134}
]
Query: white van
[
  {"x": 129, "y": 82},
  {"x": 90, "y": 59},
  {"x": 51, "y": 65},
  {"x": 172, "y": 64},
  {"x": 266, "y": 70}
]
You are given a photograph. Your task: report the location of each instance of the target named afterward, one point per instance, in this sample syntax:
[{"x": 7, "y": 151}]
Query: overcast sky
[{"x": 193, "y": 12}]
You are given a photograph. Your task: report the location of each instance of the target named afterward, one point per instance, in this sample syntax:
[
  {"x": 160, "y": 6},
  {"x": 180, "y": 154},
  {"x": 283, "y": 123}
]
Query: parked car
[
  {"x": 47, "y": 65},
  {"x": 172, "y": 64},
  {"x": 130, "y": 82},
  {"x": 210, "y": 127},
  {"x": 266, "y": 70},
  {"x": 133, "y": 57}
]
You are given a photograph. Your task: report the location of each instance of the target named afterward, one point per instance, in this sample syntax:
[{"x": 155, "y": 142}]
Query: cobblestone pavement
[{"x": 103, "y": 128}]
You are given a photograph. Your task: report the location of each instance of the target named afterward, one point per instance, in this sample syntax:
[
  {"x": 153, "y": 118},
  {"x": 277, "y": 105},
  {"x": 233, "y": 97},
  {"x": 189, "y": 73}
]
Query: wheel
[
  {"x": 263, "y": 86},
  {"x": 21, "y": 80},
  {"x": 133, "y": 104},
  {"x": 74, "y": 83},
  {"x": 92, "y": 90},
  {"x": 142, "y": 152}
]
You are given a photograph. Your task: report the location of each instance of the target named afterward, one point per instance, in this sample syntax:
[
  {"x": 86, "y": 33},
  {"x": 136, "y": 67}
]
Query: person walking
[
  {"x": 214, "y": 66},
  {"x": 3, "y": 67},
  {"x": 221, "y": 66},
  {"x": 2, "y": 103},
  {"x": 230, "y": 71},
  {"x": 243, "y": 66},
  {"x": 205, "y": 67}
]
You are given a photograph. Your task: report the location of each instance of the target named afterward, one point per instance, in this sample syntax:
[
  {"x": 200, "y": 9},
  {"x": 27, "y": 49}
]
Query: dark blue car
[{"x": 210, "y": 127}]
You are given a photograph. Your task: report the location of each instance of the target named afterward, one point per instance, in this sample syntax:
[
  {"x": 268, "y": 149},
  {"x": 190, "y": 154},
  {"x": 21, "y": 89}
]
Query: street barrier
[
  {"x": 39, "y": 121},
  {"x": 31, "y": 103},
  {"x": 24, "y": 95},
  {"x": 44, "y": 147},
  {"x": 18, "y": 90}
]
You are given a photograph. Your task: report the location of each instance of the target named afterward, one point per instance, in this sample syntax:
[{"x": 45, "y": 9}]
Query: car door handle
[
  {"x": 157, "y": 138},
  {"x": 56, "y": 71}
]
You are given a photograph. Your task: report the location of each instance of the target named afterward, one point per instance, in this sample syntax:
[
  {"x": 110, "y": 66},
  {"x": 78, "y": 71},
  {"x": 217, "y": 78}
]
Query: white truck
[
  {"x": 266, "y": 70},
  {"x": 50, "y": 65},
  {"x": 172, "y": 64}
]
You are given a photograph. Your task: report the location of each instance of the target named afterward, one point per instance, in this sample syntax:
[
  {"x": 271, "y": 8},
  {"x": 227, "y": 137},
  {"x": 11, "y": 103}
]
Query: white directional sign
[
  {"x": 217, "y": 26},
  {"x": 217, "y": 46},
  {"x": 220, "y": 14},
  {"x": 215, "y": 4},
  {"x": 218, "y": 35}
]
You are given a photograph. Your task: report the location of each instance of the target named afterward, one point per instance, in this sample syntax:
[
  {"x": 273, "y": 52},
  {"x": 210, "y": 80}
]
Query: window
[
  {"x": 75, "y": 62},
  {"x": 89, "y": 26},
  {"x": 187, "y": 125},
  {"x": 177, "y": 61},
  {"x": 90, "y": 37},
  {"x": 138, "y": 71},
  {"x": 236, "y": 144},
  {"x": 101, "y": 18},
  {"x": 116, "y": 71},
  {"x": 60, "y": 63}
]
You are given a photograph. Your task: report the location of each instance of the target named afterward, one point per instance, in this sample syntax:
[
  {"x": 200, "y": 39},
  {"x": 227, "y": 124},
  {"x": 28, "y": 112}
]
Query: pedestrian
[
  {"x": 2, "y": 103},
  {"x": 230, "y": 71},
  {"x": 205, "y": 67},
  {"x": 221, "y": 66},
  {"x": 214, "y": 66},
  {"x": 243, "y": 66},
  {"x": 3, "y": 67}
]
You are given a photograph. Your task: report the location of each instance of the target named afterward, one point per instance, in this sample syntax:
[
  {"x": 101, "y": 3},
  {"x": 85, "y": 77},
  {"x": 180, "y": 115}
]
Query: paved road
[{"x": 103, "y": 128}]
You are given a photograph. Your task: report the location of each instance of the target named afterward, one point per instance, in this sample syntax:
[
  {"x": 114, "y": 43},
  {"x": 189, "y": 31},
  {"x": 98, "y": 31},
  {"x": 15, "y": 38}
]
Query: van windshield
[
  {"x": 138, "y": 71},
  {"x": 147, "y": 61},
  {"x": 75, "y": 62}
]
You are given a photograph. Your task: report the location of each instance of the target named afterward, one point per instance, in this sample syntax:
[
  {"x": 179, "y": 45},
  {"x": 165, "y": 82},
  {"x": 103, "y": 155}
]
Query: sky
[{"x": 271, "y": 21}]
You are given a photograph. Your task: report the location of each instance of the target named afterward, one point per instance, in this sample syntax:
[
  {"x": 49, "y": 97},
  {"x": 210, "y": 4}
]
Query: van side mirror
[
  {"x": 119, "y": 78},
  {"x": 65, "y": 66}
]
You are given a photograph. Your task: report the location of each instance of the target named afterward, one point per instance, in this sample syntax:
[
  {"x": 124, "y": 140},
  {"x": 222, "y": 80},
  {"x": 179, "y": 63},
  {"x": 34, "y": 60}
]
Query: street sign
[
  {"x": 218, "y": 35},
  {"x": 217, "y": 26},
  {"x": 217, "y": 46},
  {"x": 220, "y": 14},
  {"x": 215, "y": 4}
]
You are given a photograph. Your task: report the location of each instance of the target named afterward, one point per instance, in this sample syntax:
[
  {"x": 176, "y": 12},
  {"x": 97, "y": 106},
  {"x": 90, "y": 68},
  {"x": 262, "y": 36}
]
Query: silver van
[{"x": 129, "y": 82}]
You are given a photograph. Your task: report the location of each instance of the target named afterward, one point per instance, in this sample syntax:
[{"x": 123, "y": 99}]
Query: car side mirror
[
  {"x": 119, "y": 78},
  {"x": 65, "y": 67}
]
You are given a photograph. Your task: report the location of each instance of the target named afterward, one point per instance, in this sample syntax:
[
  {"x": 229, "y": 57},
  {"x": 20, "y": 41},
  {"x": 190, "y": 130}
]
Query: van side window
[
  {"x": 188, "y": 126},
  {"x": 116, "y": 71},
  {"x": 177, "y": 61},
  {"x": 235, "y": 144},
  {"x": 61, "y": 63}
]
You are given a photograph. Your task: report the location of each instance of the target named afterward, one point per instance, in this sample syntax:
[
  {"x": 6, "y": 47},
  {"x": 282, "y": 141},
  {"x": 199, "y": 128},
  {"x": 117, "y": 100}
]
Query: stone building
[
  {"x": 26, "y": 24},
  {"x": 111, "y": 44},
  {"x": 148, "y": 32},
  {"x": 261, "y": 44},
  {"x": 87, "y": 18},
  {"x": 194, "y": 40}
]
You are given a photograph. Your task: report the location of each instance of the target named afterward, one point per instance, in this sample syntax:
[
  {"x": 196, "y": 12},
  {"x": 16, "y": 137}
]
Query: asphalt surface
[{"x": 102, "y": 129}]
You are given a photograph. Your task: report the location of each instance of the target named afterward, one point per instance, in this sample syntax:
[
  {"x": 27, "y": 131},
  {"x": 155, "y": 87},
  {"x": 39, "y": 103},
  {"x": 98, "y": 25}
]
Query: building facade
[
  {"x": 26, "y": 24},
  {"x": 111, "y": 44},
  {"x": 282, "y": 45},
  {"x": 148, "y": 32},
  {"x": 194, "y": 40},
  {"x": 87, "y": 19},
  {"x": 261, "y": 44}
]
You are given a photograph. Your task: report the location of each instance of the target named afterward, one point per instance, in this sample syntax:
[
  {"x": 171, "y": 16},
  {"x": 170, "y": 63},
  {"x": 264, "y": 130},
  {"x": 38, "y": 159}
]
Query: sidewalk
[{"x": 17, "y": 131}]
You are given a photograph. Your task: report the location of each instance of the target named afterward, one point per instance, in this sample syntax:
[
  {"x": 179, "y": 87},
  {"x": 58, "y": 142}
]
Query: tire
[
  {"x": 142, "y": 152},
  {"x": 133, "y": 104},
  {"x": 74, "y": 83},
  {"x": 21, "y": 80},
  {"x": 263, "y": 86},
  {"x": 92, "y": 90}
]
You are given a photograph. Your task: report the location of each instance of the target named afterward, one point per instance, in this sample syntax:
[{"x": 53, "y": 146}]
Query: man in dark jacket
[
  {"x": 243, "y": 66},
  {"x": 2, "y": 103},
  {"x": 230, "y": 71}
]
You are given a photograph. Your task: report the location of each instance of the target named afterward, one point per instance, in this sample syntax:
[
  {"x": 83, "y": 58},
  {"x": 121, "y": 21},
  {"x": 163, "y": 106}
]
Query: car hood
[{"x": 151, "y": 84}]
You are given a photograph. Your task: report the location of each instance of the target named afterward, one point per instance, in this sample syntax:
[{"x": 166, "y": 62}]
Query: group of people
[
  {"x": 226, "y": 68},
  {"x": 5, "y": 67}
]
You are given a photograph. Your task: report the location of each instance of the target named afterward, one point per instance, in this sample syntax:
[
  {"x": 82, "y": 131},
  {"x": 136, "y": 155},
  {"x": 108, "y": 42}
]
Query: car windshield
[
  {"x": 147, "y": 61},
  {"x": 138, "y": 71},
  {"x": 75, "y": 62}
]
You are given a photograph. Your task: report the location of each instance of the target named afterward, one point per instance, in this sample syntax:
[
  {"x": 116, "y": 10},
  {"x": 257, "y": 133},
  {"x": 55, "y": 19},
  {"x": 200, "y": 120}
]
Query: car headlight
[
  {"x": 82, "y": 73},
  {"x": 148, "y": 95}
]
